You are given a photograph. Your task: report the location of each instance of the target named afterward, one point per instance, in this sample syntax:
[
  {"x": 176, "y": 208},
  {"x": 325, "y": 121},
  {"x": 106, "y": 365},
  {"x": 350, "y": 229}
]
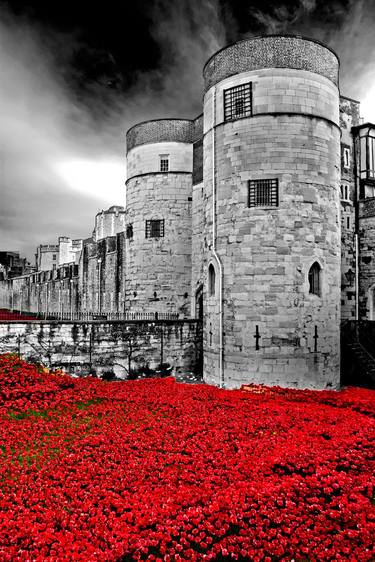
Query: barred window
[
  {"x": 344, "y": 189},
  {"x": 154, "y": 228},
  {"x": 129, "y": 231},
  {"x": 238, "y": 102},
  {"x": 314, "y": 279},
  {"x": 264, "y": 193},
  {"x": 164, "y": 162}
]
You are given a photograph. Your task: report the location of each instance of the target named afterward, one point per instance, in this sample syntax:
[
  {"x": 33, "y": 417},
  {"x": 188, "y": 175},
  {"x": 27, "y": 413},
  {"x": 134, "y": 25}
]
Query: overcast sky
[{"x": 74, "y": 78}]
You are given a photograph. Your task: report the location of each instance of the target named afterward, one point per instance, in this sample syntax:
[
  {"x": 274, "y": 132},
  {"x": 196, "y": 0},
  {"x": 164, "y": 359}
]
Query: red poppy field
[{"x": 157, "y": 470}]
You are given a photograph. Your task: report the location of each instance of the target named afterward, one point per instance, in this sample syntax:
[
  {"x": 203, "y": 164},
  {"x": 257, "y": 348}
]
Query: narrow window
[
  {"x": 346, "y": 158},
  {"x": 238, "y": 102},
  {"x": 347, "y": 222},
  {"x": 129, "y": 231},
  {"x": 264, "y": 193},
  {"x": 344, "y": 189},
  {"x": 211, "y": 280},
  {"x": 53, "y": 256},
  {"x": 164, "y": 162},
  {"x": 314, "y": 279},
  {"x": 154, "y": 228}
]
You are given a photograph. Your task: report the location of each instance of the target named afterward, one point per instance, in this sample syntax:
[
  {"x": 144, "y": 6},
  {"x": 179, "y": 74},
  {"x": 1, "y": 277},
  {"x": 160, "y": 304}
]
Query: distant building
[
  {"x": 47, "y": 257},
  {"x": 13, "y": 265}
]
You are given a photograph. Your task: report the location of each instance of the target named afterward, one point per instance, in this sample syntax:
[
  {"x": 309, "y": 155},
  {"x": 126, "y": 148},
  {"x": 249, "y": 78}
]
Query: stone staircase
[{"x": 358, "y": 353}]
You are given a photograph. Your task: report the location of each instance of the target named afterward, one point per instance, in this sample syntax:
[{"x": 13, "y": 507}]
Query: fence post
[
  {"x": 90, "y": 348},
  {"x": 161, "y": 345}
]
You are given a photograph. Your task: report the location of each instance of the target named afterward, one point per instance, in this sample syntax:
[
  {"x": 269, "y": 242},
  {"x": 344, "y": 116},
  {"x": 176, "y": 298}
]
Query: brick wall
[
  {"x": 271, "y": 52},
  {"x": 160, "y": 130},
  {"x": 114, "y": 346}
]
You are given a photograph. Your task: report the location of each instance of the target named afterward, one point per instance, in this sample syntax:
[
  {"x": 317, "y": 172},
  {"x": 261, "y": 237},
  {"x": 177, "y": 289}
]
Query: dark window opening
[
  {"x": 164, "y": 163},
  {"x": 314, "y": 279},
  {"x": 129, "y": 231},
  {"x": 238, "y": 102},
  {"x": 211, "y": 280},
  {"x": 264, "y": 193},
  {"x": 154, "y": 228}
]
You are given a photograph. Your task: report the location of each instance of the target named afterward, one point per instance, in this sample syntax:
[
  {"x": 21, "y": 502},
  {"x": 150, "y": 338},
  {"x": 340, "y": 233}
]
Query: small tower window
[
  {"x": 315, "y": 279},
  {"x": 164, "y": 162},
  {"x": 238, "y": 102},
  {"x": 264, "y": 193},
  {"x": 211, "y": 280},
  {"x": 154, "y": 228}
]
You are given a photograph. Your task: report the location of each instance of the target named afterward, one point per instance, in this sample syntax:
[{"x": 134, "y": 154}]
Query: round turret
[
  {"x": 271, "y": 181},
  {"x": 158, "y": 216}
]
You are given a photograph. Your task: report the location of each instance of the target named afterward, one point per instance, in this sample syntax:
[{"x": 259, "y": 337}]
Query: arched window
[
  {"x": 315, "y": 279},
  {"x": 211, "y": 280}
]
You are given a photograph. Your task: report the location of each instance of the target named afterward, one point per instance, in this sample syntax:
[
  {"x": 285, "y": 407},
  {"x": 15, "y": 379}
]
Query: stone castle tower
[
  {"x": 258, "y": 217},
  {"x": 271, "y": 201},
  {"x": 158, "y": 215},
  {"x": 261, "y": 180}
]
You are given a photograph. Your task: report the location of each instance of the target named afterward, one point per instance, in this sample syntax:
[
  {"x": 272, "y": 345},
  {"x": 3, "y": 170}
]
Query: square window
[
  {"x": 238, "y": 102},
  {"x": 154, "y": 228},
  {"x": 264, "y": 193},
  {"x": 164, "y": 162}
]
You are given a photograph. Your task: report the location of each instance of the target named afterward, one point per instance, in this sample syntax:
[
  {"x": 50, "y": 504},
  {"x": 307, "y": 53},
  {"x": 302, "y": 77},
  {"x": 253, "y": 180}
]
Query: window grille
[
  {"x": 264, "y": 193},
  {"x": 164, "y": 162},
  {"x": 314, "y": 279},
  {"x": 154, "y": 228},
  {"x": 129, "y": 231},
  {"x": 211, "y": 280},
  {"x": 238, "y": 102}
]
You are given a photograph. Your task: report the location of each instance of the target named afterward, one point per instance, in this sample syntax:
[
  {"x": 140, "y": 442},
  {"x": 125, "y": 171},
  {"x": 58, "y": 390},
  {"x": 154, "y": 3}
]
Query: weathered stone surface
[
  {"x": 301, "y": 152},
  {"x": 115, "y": 346}
]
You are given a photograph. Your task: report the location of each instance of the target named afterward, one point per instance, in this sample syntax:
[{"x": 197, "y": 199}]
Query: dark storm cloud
[
  {"x": 187, "y": 33},
  {"x": 346, "y": 26},
  {"x": 66, "y": 107},
  {"x": 47, "y": 140}
]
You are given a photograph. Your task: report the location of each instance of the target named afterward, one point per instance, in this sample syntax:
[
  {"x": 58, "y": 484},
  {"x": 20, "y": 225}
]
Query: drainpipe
[
  {"x": 221, "y": 345},
  {"x": 356, "y": 276},
  {"x": 356, "y": 223}
]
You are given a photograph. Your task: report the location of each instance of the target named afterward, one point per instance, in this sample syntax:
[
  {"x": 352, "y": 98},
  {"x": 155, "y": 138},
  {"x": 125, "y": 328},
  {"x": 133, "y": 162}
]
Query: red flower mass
[{"x": 156, "y": 470}]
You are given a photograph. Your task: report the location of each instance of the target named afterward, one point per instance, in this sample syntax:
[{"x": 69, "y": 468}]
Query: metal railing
[{"x": 85, "y": 316}]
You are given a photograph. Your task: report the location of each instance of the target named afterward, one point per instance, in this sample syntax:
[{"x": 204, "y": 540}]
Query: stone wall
[
  {"x": 106, "y": 346},
  {"x": 158, "y": 270},
  {"x": 145, "y": 159},
  {"x": 349, "y": 117},
  {"x": 367, "y": 259},
  {"x": 109, "y": 222}
]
